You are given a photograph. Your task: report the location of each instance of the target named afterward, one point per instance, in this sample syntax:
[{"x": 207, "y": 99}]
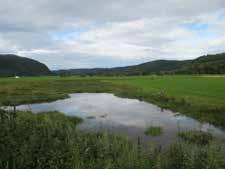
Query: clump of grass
[
  {"x": 196, "y": 137},
  {"x": 154, "y": 131}
]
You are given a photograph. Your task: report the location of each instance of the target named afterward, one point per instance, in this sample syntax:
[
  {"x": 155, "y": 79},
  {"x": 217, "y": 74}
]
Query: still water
[{"x": 129, "y": 117}]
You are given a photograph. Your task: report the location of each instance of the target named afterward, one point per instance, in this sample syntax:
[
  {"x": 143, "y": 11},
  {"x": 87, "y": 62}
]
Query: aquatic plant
[{"x": 154, "y": 131}]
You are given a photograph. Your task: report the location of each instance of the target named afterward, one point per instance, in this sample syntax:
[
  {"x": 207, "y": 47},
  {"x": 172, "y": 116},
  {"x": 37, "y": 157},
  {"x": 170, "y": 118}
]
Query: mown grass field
[{"x": 201, "y": 97}]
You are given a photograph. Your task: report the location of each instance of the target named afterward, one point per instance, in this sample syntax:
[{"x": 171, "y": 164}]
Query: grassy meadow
[{"x": 52, "y": 140}]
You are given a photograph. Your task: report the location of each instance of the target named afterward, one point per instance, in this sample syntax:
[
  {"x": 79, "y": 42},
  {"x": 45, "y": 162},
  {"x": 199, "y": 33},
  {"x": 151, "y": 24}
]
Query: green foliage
[
  {"x": 190, "y": 156},
  {"x": 210, "y": 64},
  {"x": 196, "y": 137},
  {"x": 51, "y": 140},
  {"x": 154, "y": 131},
  {"x": 37, "y": 141}
]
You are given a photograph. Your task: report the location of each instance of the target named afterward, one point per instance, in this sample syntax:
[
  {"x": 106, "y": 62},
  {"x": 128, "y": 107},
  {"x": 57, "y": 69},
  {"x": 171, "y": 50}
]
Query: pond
[{"x": 129, "y": 117}]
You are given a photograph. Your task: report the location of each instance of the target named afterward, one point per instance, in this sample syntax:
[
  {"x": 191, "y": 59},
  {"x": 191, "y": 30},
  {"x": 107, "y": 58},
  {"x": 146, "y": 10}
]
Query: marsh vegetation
[
  {"x": 154, "y": 131},
  {"x": 196, "y": 137},
  {"x": 185, "y": 94},
  {"x": 53, "y": 140}
]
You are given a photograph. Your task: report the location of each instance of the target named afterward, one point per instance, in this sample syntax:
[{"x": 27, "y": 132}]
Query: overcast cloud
[{"x": 108, "y": 33}]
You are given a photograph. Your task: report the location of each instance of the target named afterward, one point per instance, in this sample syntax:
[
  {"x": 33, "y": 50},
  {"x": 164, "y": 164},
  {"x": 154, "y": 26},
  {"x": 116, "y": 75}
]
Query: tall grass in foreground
[
  {"x": 51, "y": 140},
  {"x": 197, "y": 137}
]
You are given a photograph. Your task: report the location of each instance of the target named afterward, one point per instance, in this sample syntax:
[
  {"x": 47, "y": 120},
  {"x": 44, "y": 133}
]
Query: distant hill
[
  {"x": 210, "y": 64},
  {"x": 141, "y": 69},
  {"x": 11, "y": 65}
]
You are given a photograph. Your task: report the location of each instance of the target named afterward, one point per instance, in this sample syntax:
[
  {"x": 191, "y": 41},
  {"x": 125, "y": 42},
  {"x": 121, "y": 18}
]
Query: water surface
[{"x": 130, "y": 117}]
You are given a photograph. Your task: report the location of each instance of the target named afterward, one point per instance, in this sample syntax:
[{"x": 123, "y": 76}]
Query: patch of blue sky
[
  {"x": 68, "y": 34},
  {"x": 74, "y": 33},
  {"x": 194, "y": 26},
  {"x": 202, "y": 30},
  {"x": 222, "y": 16}
]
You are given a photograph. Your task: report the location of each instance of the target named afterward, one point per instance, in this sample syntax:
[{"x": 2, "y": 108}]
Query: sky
[{"x": 67, "y": 34}]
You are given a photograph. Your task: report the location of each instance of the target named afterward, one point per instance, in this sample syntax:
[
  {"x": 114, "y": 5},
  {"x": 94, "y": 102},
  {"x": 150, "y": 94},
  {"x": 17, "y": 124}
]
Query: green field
[{"x": 201, "y": 97}]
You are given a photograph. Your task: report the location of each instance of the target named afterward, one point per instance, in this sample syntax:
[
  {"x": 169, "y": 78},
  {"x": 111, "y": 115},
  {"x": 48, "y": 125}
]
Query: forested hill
[
  {"x": 145, "y": 68},
  {"x": 12, "y": 65},
  {"x": 210, "y": 64}
]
